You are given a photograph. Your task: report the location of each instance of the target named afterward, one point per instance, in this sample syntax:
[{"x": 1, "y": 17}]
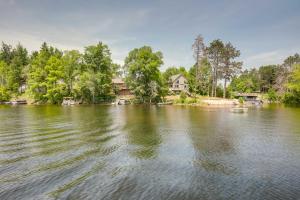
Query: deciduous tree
[{"x": 143, "y": 75}]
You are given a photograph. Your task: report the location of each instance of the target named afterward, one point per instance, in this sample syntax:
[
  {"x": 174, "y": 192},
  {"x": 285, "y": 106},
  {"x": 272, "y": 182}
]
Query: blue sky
[{"x": 265, "y": 31}]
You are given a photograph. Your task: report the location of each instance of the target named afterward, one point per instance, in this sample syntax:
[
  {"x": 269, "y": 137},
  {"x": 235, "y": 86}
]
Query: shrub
[
  {"x": 272, "y": 96},
  {"x": 190, "y": 100},
  {"x": 291, "y": 98},
  {"x": 4, "y": 95},
  {"x": 241, "y": 100}
]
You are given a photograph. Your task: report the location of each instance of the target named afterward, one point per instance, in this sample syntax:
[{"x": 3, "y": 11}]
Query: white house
[{"x": 178, "y": 83}]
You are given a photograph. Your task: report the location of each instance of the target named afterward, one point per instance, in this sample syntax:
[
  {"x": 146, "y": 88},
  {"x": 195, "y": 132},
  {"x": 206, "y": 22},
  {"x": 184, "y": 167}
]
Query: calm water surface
[{"x": 148, "y": 152}]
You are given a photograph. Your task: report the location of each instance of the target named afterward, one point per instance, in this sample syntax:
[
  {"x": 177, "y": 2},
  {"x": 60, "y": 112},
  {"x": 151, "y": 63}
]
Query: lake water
[{"x": 149, "y": 152}]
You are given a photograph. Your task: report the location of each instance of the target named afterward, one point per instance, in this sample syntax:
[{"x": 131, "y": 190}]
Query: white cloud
[{"x": 268, "y": 58}]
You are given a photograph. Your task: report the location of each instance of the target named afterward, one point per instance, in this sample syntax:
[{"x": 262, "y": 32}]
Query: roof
[
  {"x": 117, "y": 81},
  {"x": 175, "y": 77},
  {"x": 247, "y": 95}
]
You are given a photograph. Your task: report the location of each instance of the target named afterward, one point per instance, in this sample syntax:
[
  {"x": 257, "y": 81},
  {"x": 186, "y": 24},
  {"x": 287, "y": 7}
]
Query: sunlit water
[{"x": 148, "y": 152}]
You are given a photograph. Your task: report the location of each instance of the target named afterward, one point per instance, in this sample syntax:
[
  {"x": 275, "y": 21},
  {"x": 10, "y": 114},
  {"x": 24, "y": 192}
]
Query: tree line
[
  {"x": 50, "y": 74},
  {"x": 281, "y": 83},
  {"x": 216, "y": 66}
]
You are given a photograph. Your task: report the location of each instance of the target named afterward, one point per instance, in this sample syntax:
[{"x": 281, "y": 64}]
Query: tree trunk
[
  {"x": 224, "y": 92},
  {"x": 216, "y": 84},
  {"x": 213, "y": 83},
  {"x": 212, "y": 86},
  {"x": 208, "y": 90},
  {"x": 71, "y": 86}
]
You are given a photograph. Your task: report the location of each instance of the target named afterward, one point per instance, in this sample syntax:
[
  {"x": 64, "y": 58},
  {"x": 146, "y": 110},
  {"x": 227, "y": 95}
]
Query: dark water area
[{"x": 149, "y": 152}]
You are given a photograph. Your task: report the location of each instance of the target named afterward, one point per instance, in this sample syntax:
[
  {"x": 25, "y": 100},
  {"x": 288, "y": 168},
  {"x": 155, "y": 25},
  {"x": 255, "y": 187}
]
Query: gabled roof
[
  {"x": 175, "y": 77},
  {"x": 247, "y": 95}
]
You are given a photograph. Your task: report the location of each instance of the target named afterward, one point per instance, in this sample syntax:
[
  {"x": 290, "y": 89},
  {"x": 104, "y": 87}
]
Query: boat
[
  {"x": 68, "y": 101},
  {"x": 165, "y": 103},
  {"x": 239, "y": 110},
  {"x": 18, "y": 102}
]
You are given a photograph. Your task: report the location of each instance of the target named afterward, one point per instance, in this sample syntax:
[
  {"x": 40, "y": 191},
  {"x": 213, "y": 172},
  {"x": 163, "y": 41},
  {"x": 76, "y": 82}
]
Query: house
[
  {"x": 178, "y": 83},
  {"x": 249, "y": 97},
  {"x": 120, "y": 87}
]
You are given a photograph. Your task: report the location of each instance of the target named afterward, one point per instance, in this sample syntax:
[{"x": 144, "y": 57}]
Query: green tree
[
  {"x": 143, "y": 75},
  {"x": 18, "y": 63},
  {"x": 4, "y": 94},
  {"x": 37, "y": 83},
  {"x": 215, "y": 55},
  {"x": 56, "y": 87},
  {"x": 199, "y": 51},
  {"x": 6, "y": 53},
  {"x": 272, "y": 96},
  {"x": 117, "y": 70},
  {"x": 230, "y": 67},
  {"x": 203, "y": 85},
  {"x": 98, "y": 65},
  {"x": 170, "y": 71},
  {"x": 267, "y": 76},
  {"x": 247, "y": 81},
  {"x": 15, "y": 59},
  {"x": 3, "y": 74},
  {"x": 284, "y": 72},
  {"x": 72, "y": 61},
  {"x": 293, "y": 96}
]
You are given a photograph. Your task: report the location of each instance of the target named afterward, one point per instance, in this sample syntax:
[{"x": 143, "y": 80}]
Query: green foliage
[
  {"x": 183, "y": 95},
  {"x": 54, "y": 75},
  {"x": 190, "y": 100},
  {"x": 12, "y": 64},
  {"x": 3, "y": 74},
  {"x": 230, "y": 67},
  {"x": 72, "y": 62},
  {"x": 37, "y": 80},
  {"x": 267, "y": 76},
  {"x": 247, "y": 81},
  {"x": 219, "y": 91},
  {"x": 201, "y": 85},
  {"x": 49, "y": 74},
  {"x": 215, "y": 53},
  {"x": 272, "y": 96},
  {"x": 143, "y": 75},
  {"x": 6, "y": 53},
  {"x": 4, "y": 95},
  {"x": 241, "y": 100},
  {"x": 98, "y": 76},
  {"x": 174, "y": 71},
  {"x": 54, "y": 81},
  {"x": 293, "y": 96}
]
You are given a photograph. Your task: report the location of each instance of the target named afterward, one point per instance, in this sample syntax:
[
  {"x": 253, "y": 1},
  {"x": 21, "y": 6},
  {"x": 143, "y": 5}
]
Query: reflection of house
[
  {"x": 178, "y": 83},
  {"x": 120, "y": 87}
]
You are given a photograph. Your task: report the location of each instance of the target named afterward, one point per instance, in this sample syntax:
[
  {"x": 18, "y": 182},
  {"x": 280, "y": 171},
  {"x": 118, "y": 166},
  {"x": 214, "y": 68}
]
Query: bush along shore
[{"x": 53, "y": 76}]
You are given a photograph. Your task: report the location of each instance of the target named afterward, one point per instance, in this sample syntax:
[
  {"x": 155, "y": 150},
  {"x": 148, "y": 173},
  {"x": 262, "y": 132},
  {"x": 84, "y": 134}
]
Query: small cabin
[
  {"x": 120, "y": 87},
  {"x": 248, "y": 96},
  {"x": 252, "y": 98}
]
